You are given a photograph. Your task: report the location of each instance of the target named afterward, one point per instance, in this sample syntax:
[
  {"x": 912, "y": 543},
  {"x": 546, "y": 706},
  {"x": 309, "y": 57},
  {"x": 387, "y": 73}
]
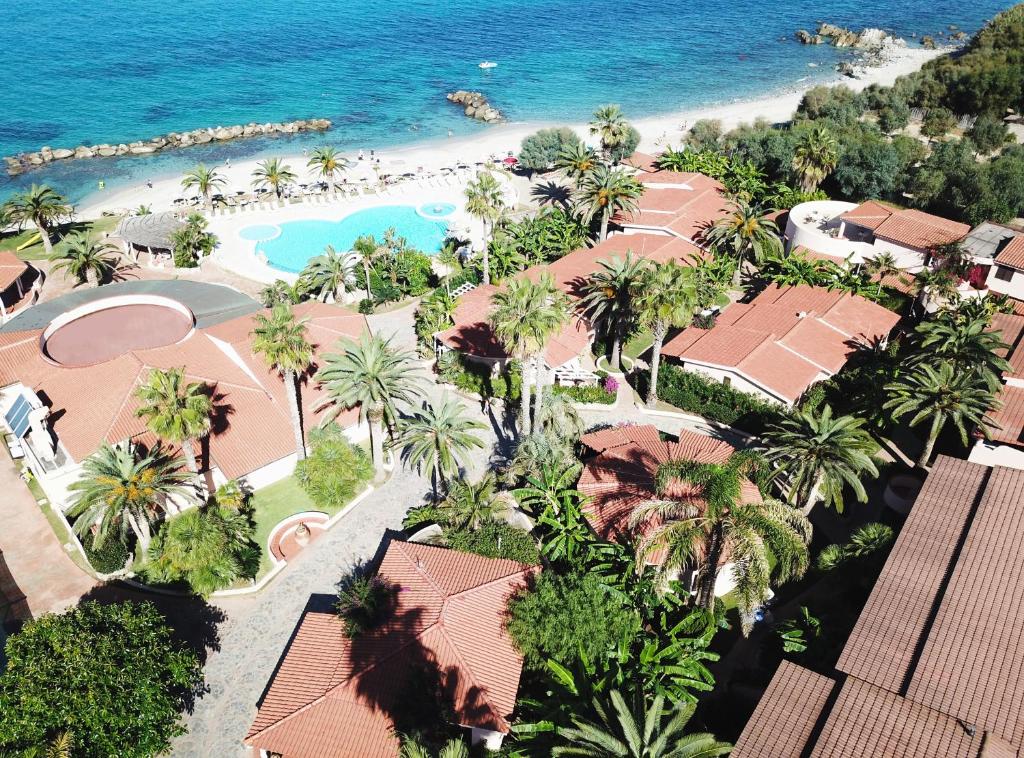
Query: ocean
[{"x": 79, "y": 72}]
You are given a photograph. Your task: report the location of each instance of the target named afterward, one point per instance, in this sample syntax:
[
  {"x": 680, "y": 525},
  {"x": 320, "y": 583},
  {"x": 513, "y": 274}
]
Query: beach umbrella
[{"x": 511, "y": 160}]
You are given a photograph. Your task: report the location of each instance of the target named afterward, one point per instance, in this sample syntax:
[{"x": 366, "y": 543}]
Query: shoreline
[{"x": 657, "y": 133}]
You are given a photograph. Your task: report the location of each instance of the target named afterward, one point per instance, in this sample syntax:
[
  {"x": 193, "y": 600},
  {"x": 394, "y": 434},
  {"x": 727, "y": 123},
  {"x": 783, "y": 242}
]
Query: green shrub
[
  {"x": 712, "y": 400},
  {"x": 107, "y": 559},
  {"x": 540, "y": 149},
  {"x": 366, "y": 306},
  {"x": 335, "y": 470},
  {"x": 495, "y": 539},
  {"x": 586, "y": 394},
  {"x": 560, "y": 616},
  {"x": 363, "y": 602},
  {"x": 470, "y": 376}
]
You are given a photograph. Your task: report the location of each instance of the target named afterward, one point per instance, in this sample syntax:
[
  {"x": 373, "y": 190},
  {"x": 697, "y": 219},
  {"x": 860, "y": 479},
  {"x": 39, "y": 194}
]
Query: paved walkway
[{"x": 36, "y": 574}]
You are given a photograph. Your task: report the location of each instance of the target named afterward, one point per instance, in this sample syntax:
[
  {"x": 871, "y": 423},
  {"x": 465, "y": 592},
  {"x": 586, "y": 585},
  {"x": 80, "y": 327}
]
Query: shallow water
[{"x": 117, "y": 72}]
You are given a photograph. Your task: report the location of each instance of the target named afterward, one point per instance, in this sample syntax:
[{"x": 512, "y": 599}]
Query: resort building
[
  {"x": 783, "y": 341},
  {"x": 621, "y": 475},
  {"x": 677, "y": 204},
  {"x": 70, "y": 367},
  {"x": 1006, "y": 444},
  {"x": 845, "y": 231},
  {"x": 933, "y": 666},
  {"x": 1006, "y": 276},
  {"x": 19, "y": 285},
  {"x": 443, "y": 639}
]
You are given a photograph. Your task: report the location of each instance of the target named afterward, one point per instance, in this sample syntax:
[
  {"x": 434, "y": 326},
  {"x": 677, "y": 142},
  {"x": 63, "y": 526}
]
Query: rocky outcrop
[
  {"x": 475, "y": 105},
  {"x": 16, "y": 164},
  {"x": 806, "y": 38},
  {"x": 865, "y": 39},
  {"x": 928, "y": 42}
]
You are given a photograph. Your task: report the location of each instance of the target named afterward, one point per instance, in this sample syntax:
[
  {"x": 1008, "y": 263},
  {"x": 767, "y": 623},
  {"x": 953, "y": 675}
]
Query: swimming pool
[{"x": 298, "y": 241}]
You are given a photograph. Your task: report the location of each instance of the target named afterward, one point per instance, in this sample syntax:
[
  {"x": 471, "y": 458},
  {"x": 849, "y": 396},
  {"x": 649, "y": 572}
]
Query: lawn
[
  {"x": 36, "y": 252},
  {"x": 638, "y": 344},
  {"x": 273, "y": 503}
]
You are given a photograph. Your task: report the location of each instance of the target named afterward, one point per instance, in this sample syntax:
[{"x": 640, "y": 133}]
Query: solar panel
[{"x": 17, "y": 416}]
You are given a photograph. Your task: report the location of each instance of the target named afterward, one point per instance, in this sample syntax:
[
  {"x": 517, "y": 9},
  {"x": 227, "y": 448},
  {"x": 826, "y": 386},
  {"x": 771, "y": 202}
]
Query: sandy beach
[{"x": 656, "y": 132}]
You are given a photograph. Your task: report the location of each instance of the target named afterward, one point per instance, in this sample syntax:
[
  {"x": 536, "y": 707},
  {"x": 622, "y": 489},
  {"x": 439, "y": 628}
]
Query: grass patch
[
  {"x": 37, "y": 252},
  {"x": 638, "y": 344},
  {"x": 272, "y": 504}
]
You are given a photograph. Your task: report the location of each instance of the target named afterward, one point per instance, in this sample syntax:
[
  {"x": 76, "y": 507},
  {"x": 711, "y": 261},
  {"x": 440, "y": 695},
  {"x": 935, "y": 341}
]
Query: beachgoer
[
  {"x": 227, "y": 162},
  {"x": 101, "y": 184},
  {"x": 149, "y": 183},
  {"x": 371, "y": 155},
  {"x": 360, "y": 155}
]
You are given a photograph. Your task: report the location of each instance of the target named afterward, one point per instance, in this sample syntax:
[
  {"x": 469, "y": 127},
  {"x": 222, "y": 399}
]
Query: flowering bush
[{"x": 611, "y": 384}]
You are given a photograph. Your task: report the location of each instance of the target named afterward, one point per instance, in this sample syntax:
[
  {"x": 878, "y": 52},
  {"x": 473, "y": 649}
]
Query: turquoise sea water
[
  {"x": 116, "y": 72},
  {"x": 298, "y": 241}
]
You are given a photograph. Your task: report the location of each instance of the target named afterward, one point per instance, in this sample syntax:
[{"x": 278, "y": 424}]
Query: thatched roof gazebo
[{"x": 152, "y": 232}]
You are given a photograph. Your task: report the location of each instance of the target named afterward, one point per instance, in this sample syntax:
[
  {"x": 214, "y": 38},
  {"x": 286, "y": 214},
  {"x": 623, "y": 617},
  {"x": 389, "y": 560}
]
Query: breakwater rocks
[
  {"x": 866, "y": 39},
  {"x": 17, "y": 164},
  {"x": 475, "y": 105}
]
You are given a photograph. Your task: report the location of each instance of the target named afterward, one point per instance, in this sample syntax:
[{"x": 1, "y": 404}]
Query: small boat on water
[{"x": 488, "y": 64}]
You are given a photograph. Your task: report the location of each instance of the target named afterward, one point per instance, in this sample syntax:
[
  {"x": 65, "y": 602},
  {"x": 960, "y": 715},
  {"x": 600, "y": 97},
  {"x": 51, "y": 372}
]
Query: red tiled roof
[
  {"x": 908, "y": 227},
  {"x": 642, "y": 161},
  {"x": 1009, "y": 418},
  {"x": 686, "y": 213},
  {"x": 331, "y": 696},
  {"x": 621, "y": 477},
  {"x": 868, "y": 214},
  {"x": 1013, "y": 254},
  {"x": 12, "y": 268}
]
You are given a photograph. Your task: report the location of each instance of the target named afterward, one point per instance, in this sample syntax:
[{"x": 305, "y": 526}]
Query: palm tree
[
  {"x": 576, "y": 161},
  {"x": 453, "y": 748},
  {"x": 205, "y": 180},
  {"x": 608, "y": 295},
  {"x": 665, "y": 297},
  {"x": 207, "y": 548},
  {"x": 375, "y": 375},
  {"x": 942, "y": 395},
  {"x": 435, "y": 439},
  {"x": 43, "y": 207},
  {"x": 176, "y": 412},
  {"x": 967, "y": 344},
  {"x": 524, "y": 316},
  {"x": 122, "y": 486},
  {"x": 610, "y": 126},
  {"x": 367, "y": 249},
  {"x": 746, "y": 232},
  {"x": 281, "y": 340},
  {"x": 935, "y": 286},
  {"x": 605, "y": 192},
  {"x": 87, "y": 259},
  {"x": 821, "y": 455},
  {"x": 485, "y": 200},
  {"x": 272, "y": 173},
  {"x": 636, "y": 728},
  {"x": 815, "y": 157},
  {"x": 712, "y": 522},
  {"x": 881, "y": 265},
  {"x": 327, "y": 161},
  {"x": 470, "y": 504},
  {"x": 329, "y": 275}
]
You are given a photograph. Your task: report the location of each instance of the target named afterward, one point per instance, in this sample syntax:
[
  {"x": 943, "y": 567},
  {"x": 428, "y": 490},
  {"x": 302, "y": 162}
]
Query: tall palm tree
[
  {"x": 636, "y": 728},
  {"x": 367, "y": 249},
  {"x": 470, "y": 504},
  {"x": 744, "y": 233},
  {"x": 87, "y": 259},
  {"x": 486, "y": 201},
  {"x": 43, "y": 207},
  {"x": 205, "y": 180},
  {"x": 605, "y": 192},
  {"x": 942, "y": 395},
  {"x": 968, "y": 344},
  {"x": 608, "y": 298},
  {"x": 436, "y": 439},
  {"x": 274, "y": 174},
  {"x": 328, "y": 162},
  {"x": 375, "y": 375},
  {"x": 882, "y": 265},
  {"x": 576, "y": 161},
  {"x": 665, "y": 297},
  {"x": 524, "y": 316},
  {"x": 176, "y": 411},
  {"x": 711, "y": 521},
  {"x": 122, "y": 486},
  {"x": 815, "y": 157},
  {"x": 610, "y": 125},
  {"x": 281, "y": 339},
  {"x": 822, "y": 455},
  {"x": 329, "y": 274}
]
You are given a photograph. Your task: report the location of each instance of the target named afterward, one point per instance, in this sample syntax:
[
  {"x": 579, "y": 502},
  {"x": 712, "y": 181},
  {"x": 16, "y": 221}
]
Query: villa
[
  {"x": 332, "y": 696},
  {"x": 1006, "y": 446},
  {"x": 1007, "y": 275},
  {"x": 933, "y": 666},
  {"x": 677, "y": 204},
  {"x": 783, "y": 341},
  {"x": 69, "y": 369},
  {"x": 621, "y": 476}
]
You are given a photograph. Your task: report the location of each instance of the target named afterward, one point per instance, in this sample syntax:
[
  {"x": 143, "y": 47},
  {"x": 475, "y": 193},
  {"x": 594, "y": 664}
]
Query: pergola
[{"x": 152, "y": 232}]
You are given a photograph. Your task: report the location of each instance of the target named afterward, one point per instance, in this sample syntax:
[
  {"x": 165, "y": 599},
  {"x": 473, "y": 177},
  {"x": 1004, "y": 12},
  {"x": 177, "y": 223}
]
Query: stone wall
[{"x": 16, "y": 164}]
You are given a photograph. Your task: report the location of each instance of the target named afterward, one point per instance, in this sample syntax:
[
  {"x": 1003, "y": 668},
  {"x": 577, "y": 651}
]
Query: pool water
[
  {"x": 301, "y": 240},
  {"x": 259, "y": 232},
  {"x": 436, "y": 211}
]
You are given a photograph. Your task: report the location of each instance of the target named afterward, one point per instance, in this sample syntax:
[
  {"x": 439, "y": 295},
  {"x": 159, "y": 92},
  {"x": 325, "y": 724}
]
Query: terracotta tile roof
[
  {"x": 12, "y": 268},
  {"x": 642, "y": 161},
  {"x": 1009, "y": 418},
  {"x": 784, "y": 720},
  {"x": 686, "y": 213},
  {"x": 814, "y": 255},
  {"x": 621, "y": 476},
  {"x": 908, "y": 227},
  {"x": 868, "y": 214},
  {"x": 1013, "y": 254},
  {"x": 330, "y": 696}
]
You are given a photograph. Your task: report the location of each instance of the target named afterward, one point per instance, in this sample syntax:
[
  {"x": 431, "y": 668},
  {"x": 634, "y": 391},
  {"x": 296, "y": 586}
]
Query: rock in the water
[
  {"x": 62, "y": 153},
  {"x": 928, "y": 42},
  {"x": 475, "y": 105},
  {"x": 806, "y": 38},
  {"x": 847, "y": 69}
]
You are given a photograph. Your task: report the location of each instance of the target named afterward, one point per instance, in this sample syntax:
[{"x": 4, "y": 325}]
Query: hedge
[
  {"x": 495, "y": 540},
  {"x": 586, "y": 394}
]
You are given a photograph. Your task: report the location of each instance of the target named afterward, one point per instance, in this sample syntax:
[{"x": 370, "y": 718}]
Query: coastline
[{"x": 657, "y": 133}]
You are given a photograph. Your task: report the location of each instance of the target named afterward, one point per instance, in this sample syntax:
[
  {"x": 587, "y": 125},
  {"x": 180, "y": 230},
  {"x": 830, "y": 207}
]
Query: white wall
[
  {"x": 1014, "y": 287},
  {"x": 491, "y": 739},
  {"x": 736, "y": 381},
  {"x": 269, "y": 474},
  {"x": 996, "y": 454}
]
